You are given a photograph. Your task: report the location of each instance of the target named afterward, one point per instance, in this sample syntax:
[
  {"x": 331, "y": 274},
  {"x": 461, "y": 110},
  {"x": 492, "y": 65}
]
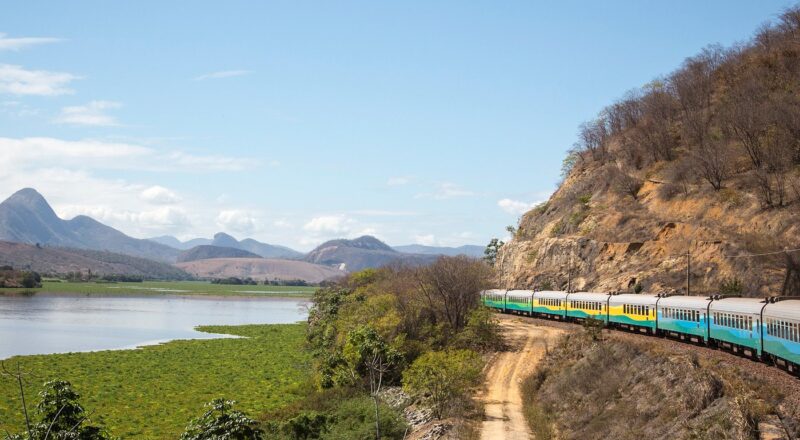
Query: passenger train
[{"x": 762, "y": 329}]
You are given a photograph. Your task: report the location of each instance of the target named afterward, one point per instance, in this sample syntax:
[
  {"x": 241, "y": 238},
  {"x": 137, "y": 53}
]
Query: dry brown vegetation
[{"x": 705, "y": 160}]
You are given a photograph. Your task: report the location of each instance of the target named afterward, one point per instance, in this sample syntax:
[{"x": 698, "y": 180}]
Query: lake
[{"x": 43, "y": 323}]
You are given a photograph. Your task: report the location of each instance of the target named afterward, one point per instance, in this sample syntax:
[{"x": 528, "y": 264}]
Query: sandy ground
[{"x": 501, "y": 395}]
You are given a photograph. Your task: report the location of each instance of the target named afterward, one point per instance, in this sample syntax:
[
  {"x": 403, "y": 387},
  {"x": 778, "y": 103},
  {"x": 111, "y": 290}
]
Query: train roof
[
  {"x": 737, "y": 305},
  {"x": 786, "y": 309},
  {"x": 556, "y": 294},
  {"x": 588, "y": 296},
  {"x": 691, "y": 302},
  {"x": 633, "y": 298},
  {"x": 520, "y": 293},
  {"x": 493, "y": 291}
]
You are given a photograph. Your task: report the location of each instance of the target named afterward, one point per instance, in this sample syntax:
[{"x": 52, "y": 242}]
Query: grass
[
  {"x": 166, "y": 287},
  {"x": 153, "y": 392}
]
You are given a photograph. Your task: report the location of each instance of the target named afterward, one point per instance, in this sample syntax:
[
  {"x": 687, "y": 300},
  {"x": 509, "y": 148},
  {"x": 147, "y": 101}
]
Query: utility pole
[{"x": 688, "y": 271}]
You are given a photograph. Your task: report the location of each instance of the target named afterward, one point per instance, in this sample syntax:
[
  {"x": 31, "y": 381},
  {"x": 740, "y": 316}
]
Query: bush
[
  {"x": 443, "y": 377},
  {"x": 355, "y": 420},
  {"x": 731, "y": 286},
  {"x": 481, "y": 333},
  {"x": 221, "y": 421}
]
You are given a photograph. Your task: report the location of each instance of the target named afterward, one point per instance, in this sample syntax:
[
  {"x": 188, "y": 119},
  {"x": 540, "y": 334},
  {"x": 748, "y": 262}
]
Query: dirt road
[{"x": 501, "y": 395}]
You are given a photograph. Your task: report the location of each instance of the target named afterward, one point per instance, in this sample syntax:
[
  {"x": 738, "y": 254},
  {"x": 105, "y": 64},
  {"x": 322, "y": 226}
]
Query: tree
[
  {"x": 490, "y": 253},
  {"x": 450, "y": 288},
  {"x": 368, "y": 353},
  {"x": 444, "y": 377},
  {"x": 221, "y": 421}
]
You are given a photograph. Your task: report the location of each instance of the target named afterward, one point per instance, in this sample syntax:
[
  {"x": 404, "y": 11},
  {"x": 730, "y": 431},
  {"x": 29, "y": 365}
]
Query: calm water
[{"x": 43, "y": 324}]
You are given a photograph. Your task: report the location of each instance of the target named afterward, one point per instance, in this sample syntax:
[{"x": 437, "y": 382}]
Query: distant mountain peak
[{"x": 364, "y": 242}]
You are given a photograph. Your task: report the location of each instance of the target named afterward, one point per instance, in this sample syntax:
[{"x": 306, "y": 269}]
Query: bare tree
[{"x": 712, "y": 162}]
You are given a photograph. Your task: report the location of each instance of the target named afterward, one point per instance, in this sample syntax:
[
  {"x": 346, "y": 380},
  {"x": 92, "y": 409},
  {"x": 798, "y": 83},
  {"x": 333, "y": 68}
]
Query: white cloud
[
  {"x": 16, "y": 80},
  {"x": 398, "y": 181},
  {"x": 165, "y": 219},
  {"x": 446, "y": 190},
  {"x": 222, "y": 74},
  {"x": 384, "y": 213},
  {"x": 238, "y": 221},
  {"x": 93, "y": 113},
  {"x": 337, "y": 224},
  {"x": 283, "y": 223},
  {"x": 425, "y": 240},
  {"x": 20, "y": 43},
  {"x": 210, "y": 163},
  {"x": 515, "y": 206},
  {"x": 158, "y": 195}
]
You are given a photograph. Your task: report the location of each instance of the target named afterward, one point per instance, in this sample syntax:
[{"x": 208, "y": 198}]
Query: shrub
[
  {"x": 731, "y": 286},
  {"x": 445, "y": 377},
  {"x": 481, "y": 333},
  {"x": 221, "y": 421},
  {"x": 355, "y": 420}
]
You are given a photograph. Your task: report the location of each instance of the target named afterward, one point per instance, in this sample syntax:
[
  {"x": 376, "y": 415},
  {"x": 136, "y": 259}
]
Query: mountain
[
  {"x": 222, "y": 239},
  {"x": 687, "y": 185},
  {"x": 205, "y": 252},
  {"x": 260, "y": 269},
  {"x": 26, "y": 217},
  {"x": 361, "y": 253},
  {"x": 469, "y": 250},
  {"x": 62, "y": 260}
]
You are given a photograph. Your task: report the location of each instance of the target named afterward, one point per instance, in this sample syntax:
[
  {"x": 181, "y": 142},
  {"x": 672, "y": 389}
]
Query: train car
[
  {"x": 494, "y": 299},
  {"x": 781, "y": 333},
  {"x": 550, "y": 303},
  {"x": 519, "y": 301},
  {"x": 633, "y": 312},
  {"x": 584, "y": 305},
  {"x": 684, "y": 317},
  {"x": 734, "y": 324}
]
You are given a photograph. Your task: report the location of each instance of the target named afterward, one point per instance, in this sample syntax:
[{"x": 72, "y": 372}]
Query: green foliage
[
  {"x": 153, "y": 392},
  {"x": 568, "y": 163},
  {"x": 558, "y": 228},
  {"x": 593, "y": 328},
  {"x": 172, "y": 287},
  {"x": 366, "y": 353},
  {"x": 355, "y": 420},
  {"x": 221, "y": 421},
  {"x": 482, "y": 332},
  {"x": 443, "y": 377},
  {"x": 546, "y": 285},
  {"x": 490, "y": 253},
  {"x": 637, "y": 288},
  {"x": 585, "y": 198},
  {"x": 731, "y": 286}
]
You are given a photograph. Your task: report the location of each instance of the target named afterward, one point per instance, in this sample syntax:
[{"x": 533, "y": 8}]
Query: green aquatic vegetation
[{"x": 153, "y": 392}]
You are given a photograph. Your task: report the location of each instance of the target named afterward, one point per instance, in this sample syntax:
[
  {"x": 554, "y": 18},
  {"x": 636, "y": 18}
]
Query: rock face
[{"x": 594, "y": 238}]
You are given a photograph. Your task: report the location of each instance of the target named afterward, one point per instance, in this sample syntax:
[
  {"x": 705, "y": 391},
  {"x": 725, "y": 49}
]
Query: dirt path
[{"x": 501, "y": 396}]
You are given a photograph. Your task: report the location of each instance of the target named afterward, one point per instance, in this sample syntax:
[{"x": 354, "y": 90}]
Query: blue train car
[
  {"x": 634, "y": 312},
  {"x": 684, "y": 317},
  {"x": 550, "y": 303},
  {"x": 519, "y": 301},
  {"x": 494, "y": 299},
  {"x": 585, "y": 305},
  {"x": 781, "y": 333},
  {"x": 735, "y": 324}
]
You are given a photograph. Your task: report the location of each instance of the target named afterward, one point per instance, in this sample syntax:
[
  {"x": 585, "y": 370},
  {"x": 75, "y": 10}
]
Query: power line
[{"x": 786, "y": 251}]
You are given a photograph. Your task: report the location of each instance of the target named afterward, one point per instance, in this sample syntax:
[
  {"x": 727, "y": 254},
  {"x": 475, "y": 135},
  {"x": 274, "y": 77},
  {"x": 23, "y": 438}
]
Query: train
[{"x": 763, "y": 329}]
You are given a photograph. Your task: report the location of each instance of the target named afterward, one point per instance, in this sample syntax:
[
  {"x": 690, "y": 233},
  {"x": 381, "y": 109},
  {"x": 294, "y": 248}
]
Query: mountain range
[{"x": 27, "y": 218}]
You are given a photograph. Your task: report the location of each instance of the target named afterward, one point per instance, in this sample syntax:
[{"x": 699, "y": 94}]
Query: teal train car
[
  {"x": 684, "y": 317},
  {"x": 781, "y": 333},
  {"x": 634, "y": 311},
  {"x": 519, "y": 301},
  {"x": 494, "y": 299},
  {"x": 585, "y": 305},
  {"x": 735, "y": 324},
  {"x": 550, "y": 303}
]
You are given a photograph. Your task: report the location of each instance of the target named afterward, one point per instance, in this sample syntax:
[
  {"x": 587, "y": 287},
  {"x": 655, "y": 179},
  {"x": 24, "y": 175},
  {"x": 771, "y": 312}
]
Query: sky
[{"x": 436, "y": 123}]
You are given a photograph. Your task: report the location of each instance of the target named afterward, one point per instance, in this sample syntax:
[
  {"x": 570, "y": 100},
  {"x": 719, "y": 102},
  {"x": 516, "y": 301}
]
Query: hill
[
  {"x": 361, "y": 253},
  {"x": 26, "y": 217},
  {"x": 260, "y": 269},
  {"x": 206, "y": 252},
  {"x": 469, "y": 250},
  {"x": 696, "y": 172},
  {"x": 62, "y": 260},
  {"x": 222, "y": 239}
]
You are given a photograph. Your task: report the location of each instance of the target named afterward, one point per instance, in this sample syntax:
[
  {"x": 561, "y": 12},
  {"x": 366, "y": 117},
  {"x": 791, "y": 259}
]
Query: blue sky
[{"x": 295, "y": 122}]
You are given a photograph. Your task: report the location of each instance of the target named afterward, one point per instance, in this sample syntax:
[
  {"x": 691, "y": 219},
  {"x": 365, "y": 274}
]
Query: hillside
[
  {"x": 260, "y": 269},
  {"x": 26, "y": 217},
  {"x": 361, "y": 253},
  {"x": 469, "y": 250},
  {"x": 222, "y": 239},
  {"x": 703, "y": 161},
  {"x": 61, "y": 260},
  {"x": 205, "y": 252}
]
